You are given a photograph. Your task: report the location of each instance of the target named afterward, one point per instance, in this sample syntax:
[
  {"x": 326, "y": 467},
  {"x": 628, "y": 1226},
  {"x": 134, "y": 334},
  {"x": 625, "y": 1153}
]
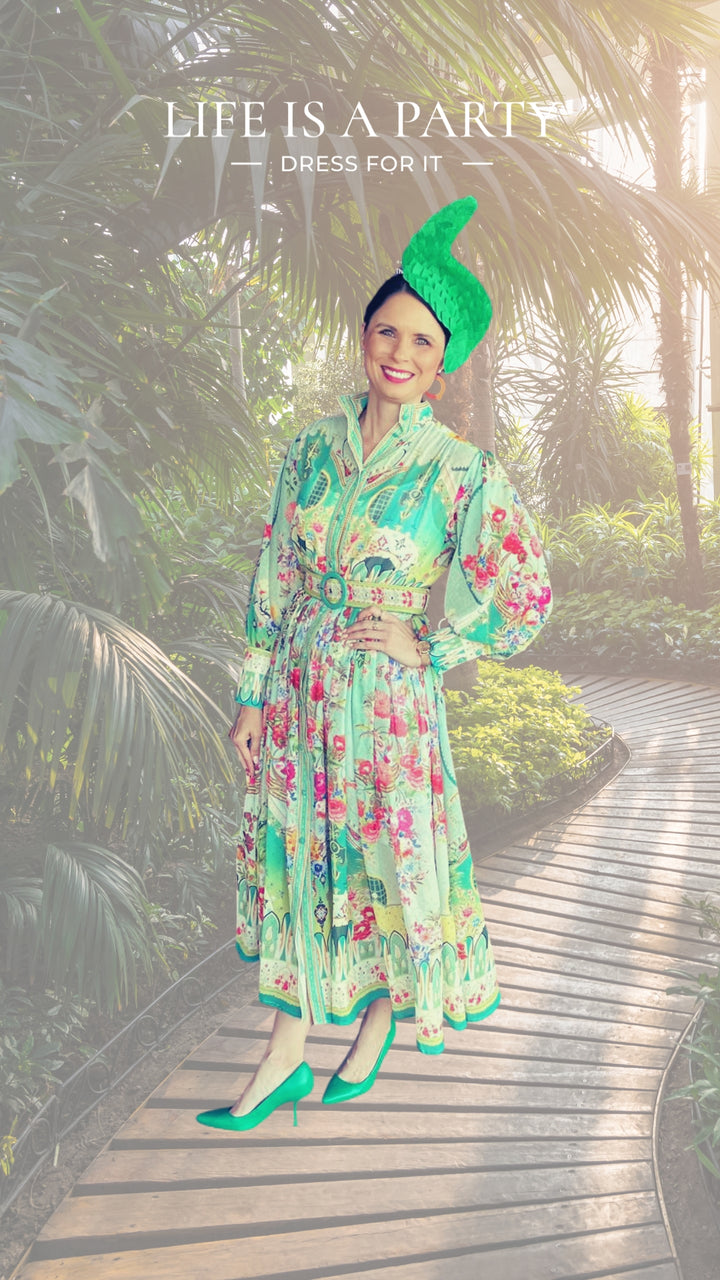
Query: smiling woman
[
  {"x": 403, "y": 347},
  {"x": 356, "y": 890}
]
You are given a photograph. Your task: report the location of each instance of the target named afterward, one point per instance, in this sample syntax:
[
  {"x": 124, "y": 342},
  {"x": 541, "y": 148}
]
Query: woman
[{"x": 355, "y": 881}]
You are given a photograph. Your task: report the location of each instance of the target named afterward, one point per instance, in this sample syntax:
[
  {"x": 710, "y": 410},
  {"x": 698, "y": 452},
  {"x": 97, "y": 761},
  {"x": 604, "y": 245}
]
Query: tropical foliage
[
  {"x": 508, "y": 759},
  {"x": 703, "y": 1050},
  {"x": 607, "y": 630},
  {"x": 637, "y": 549}
]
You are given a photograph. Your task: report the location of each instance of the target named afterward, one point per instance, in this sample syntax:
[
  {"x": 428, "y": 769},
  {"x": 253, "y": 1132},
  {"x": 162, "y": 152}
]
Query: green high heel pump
[
  {"x": 338, "y": 1090},
  {"x": 296, "y": 1086}
]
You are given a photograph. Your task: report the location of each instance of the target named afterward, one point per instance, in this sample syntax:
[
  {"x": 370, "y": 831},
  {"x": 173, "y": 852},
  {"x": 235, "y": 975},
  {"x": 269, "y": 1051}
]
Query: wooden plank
[
  {"x": 677, "y": 833},
  {"x": 627, "y": 1231},
  {"x": 208, "y": 1089},
  {"x": 502, "y": 1043},
  {"x": 645, "y": 854},
  {"x": 527, "y": 1010},
  {"x": 649, "y": 957},
  {"x": 540, "y": 971},
  {"x": 516, "y": 989},
  {"x": 408, "y": 1063},
  {"x": 133, "y": 1167},
  {"x": 629, "y": 878},
  {"x": 527, "y": 894},
  {"x": 512, "y": 1264},
  {"x": 359, "y": 1123},
  {"x": 122, "y": 1218}
]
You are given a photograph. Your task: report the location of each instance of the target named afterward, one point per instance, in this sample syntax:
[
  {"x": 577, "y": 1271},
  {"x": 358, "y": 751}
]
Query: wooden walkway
[{"x": 525, "y": 1151}]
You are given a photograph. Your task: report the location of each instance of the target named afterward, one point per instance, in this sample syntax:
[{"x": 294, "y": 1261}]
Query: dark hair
[{"x": 398, "y": 284}]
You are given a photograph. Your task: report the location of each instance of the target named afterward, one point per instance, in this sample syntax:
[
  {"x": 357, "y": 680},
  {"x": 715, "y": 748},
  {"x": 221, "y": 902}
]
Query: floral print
[{"x": 354, "y": 871}]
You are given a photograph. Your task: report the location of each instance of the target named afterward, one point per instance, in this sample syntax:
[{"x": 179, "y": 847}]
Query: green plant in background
[
  {"x": 513, "y": 732},
  {"x": 606, "y": 627},
  {"x": 40, "y": 1033},
  {"x": 573, "y": 388},
  {"x": 704, "y": 1050},
  {"x": 637, "y": 547}
]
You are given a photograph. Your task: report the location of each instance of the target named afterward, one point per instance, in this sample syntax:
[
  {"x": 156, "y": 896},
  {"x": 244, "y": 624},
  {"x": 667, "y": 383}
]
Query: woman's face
[{"x": 403, "y": 346}]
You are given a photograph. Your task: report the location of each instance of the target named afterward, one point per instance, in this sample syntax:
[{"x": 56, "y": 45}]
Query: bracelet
[{"x": 423, "y": 652}]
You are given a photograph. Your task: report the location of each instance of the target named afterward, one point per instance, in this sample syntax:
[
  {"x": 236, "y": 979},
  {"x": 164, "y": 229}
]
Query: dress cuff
[
  {"x": 448, "y": 649},
  {"x": 251, "y": 689}
]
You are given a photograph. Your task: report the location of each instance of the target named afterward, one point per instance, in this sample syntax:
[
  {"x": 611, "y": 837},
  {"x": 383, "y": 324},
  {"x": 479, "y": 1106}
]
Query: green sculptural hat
[{"x": 449, "y": 289}]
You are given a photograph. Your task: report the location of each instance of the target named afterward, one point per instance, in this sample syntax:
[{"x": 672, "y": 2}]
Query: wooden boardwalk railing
[{"x": 524, "y": 1152}]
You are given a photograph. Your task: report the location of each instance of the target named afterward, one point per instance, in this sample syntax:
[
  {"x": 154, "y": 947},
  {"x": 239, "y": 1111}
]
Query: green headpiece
[{"x": 454, "y": 293}]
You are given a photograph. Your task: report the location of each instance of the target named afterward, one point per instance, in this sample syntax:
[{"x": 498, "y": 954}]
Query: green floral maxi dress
[{"x": 354, "y": 870}]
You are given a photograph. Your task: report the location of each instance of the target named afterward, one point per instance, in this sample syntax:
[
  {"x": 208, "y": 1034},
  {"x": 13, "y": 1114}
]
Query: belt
[{"x": 338, "y": 591}]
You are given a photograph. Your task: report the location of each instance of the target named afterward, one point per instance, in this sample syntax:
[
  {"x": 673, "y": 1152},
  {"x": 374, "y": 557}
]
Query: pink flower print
[
  {"x": 512, "y": 542},
  {"x": 422, "y": 724},
  {"x": 398, "y": 726},
  {"x": 470, "y": 562},
  {"x": 384, "y": 779},
  {"x": 261, "y": 903},
  {"x": 337, "y": 809},
  {"x": 317, "y": 526},
  {"x": 382, "y": 704},
  {"x": 436, "y": 783},
  {"x": 498, "y": 515},
  {"x": 295, "y": 677},
  {"x": 544, "y": 597},
  {"x": 322, "y": 564},
  {"x": 279, "y": 735},
  {"x": 320, "y": 785},
  {"x": 289, "y": 773},
  {"x": 413, "y": 771},
  {"x": 364, "y": 768},
  {"x": 316, "y": 690},
  {"x": 290, "y": 511},
  {"x": 267, "y": 531},
  {"x": 339, "y": 743},
  {"x": 404, "y": 822},
  {"x": 482, "y": 577},
  {"x": 371, "y": 828},
  {"x": 363, "y": 928},
  {"x": 535, "y": 545}
]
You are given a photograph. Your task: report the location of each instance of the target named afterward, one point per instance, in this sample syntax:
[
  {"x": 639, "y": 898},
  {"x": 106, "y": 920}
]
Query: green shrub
[
  {"x": 514, "y": 732},
  {"x": 637, "y": 549},
  {"x": 41, "y": 1033},
  {"x": 704, "y": 1051},
  {"x": 604, "y": 625}
]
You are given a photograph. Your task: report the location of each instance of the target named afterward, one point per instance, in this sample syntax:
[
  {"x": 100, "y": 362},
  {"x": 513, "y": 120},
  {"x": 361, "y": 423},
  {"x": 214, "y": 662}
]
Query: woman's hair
[{"x": 398, "y": 284}]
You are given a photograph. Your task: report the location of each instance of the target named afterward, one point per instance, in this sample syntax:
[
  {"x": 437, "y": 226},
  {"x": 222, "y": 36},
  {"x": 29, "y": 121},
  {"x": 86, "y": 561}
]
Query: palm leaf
[
  {"x": 98, "y": 703},
  {"x": 94, "y": 920}
]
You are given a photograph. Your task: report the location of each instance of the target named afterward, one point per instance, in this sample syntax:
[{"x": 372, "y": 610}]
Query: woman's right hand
[{"x": 245, "y": 735}]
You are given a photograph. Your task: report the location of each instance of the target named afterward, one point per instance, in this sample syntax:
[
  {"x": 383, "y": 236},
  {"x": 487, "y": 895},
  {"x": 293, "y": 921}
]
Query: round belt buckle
[{"x": 333, "y": 588}]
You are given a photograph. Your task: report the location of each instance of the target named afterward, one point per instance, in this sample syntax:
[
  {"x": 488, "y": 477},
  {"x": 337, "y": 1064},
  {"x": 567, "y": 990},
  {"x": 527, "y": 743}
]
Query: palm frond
[
  {"x": 92, "y": 702},
  {"x": 95, "y": 930}
]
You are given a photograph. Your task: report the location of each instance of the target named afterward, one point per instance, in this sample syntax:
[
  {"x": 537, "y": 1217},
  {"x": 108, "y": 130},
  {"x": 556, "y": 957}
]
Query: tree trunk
[{"x": 676, "y": 375}]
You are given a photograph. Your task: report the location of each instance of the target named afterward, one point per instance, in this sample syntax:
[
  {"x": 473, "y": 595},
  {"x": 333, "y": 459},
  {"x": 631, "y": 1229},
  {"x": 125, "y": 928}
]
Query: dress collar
[{"x": 411, "y": 417}]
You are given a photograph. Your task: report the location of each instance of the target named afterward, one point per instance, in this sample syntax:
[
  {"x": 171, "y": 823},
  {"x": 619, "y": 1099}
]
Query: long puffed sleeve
[
  {"x": 274, "y": 582},
  {"x": 497, "y": 593}
]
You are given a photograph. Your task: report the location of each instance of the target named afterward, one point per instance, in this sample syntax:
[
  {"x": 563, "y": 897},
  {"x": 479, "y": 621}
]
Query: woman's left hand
[{"x": 388, "y": 635}]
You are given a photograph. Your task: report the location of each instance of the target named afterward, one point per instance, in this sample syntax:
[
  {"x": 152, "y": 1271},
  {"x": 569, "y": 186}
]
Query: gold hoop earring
[{"x": 437, "y": 395}]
